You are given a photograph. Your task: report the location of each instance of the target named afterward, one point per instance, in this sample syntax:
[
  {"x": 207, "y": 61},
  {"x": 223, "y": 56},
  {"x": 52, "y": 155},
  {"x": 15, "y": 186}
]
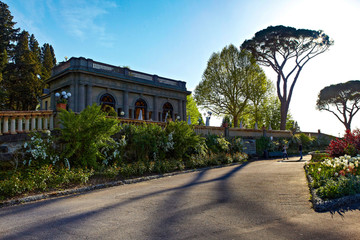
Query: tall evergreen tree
[
  {"x": 7, "y": 38},
  {"x": 7, "y": 30},
  {"x": 34, "y": 47},
  {"x": 48, "y": 59},
  {"x": 23, "y": 83},
  {"x": 53, "y": 55}
]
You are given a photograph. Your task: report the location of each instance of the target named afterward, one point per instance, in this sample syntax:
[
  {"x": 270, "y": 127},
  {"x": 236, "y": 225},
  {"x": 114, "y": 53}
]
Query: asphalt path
[{"x": 258, "y": 200}]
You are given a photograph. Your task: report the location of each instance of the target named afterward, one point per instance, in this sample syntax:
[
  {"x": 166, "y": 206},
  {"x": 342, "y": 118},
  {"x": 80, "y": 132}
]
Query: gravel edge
[
  {"x": 67, "y": 192},
  {"x": 320, "y": 205}
]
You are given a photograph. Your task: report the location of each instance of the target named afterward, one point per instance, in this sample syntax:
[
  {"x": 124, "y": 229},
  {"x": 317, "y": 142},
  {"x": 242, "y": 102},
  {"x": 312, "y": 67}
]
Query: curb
[
  {"x": 320, "y": 205},
  {"x": 103, "y": 185}
]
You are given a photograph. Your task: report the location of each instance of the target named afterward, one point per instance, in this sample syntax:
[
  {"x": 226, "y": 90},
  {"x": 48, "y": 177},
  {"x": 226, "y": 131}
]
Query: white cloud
[{"x": 83, "y": 19}]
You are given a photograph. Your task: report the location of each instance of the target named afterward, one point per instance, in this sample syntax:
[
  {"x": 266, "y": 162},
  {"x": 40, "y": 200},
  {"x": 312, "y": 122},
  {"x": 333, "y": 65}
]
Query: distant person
[
  {"x": 285, "y": 155},
  {"x": 300, "y": 151}
]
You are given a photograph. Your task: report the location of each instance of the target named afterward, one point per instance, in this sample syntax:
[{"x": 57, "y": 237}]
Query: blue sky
[{"x": 175, "y": 39}]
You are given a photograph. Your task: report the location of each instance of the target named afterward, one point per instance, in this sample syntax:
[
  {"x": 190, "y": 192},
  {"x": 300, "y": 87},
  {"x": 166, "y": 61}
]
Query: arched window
[
  {"x": 140, "y": 107},
  {"x": 167, "y": 111},
  {"x": 108, "y": 100}
]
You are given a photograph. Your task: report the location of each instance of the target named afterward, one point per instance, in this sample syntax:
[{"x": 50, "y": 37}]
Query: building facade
[{"x": 129, "y": 92}]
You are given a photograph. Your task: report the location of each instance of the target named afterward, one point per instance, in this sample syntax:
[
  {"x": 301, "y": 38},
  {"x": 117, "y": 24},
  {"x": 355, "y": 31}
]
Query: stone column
[
  {"x": 89, "y": 95},
  {"x": 20, "y": 124},
  {"x": 13, "y": 125},
  {"x": 6, "y": 125},
  {"x": 52, "y": 101},
  {"x": 126, "y": 104},
  {"x": 76, "y": 96},
  {"x": 33, "y": 123},
  {"x": 155, "y": 109},
  {"x": 81, "y": 97},
  {"x": 180, "y": 110},
  {"x": 27, "y": 123},
  {"x": 73, "y": 97},
  {"x": 51, "y": 122},
  {"x": 183, "y": 109},
  {"x": 39, "y": 126}
]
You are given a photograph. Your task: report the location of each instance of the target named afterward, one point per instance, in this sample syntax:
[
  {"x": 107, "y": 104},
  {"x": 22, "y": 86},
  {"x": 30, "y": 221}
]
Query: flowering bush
[
  {"x": 349, "y": 145},
  {"x": 336, "y": 177},
  {"x": 41, "y": 149}
]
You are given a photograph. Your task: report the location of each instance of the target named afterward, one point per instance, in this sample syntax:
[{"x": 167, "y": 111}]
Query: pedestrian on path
[
  {"x": 300, "y": 151},
  {"x": 285, "y": 155}
]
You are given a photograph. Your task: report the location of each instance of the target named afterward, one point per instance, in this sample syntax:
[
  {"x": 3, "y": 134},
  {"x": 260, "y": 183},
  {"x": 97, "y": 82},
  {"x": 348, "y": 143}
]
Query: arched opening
[
  {"x": 140, "y": 106},
  {"x": 167, "y": 111},
  {"x": 107, "y": 99},
  {"x": 107, "y": 103}
]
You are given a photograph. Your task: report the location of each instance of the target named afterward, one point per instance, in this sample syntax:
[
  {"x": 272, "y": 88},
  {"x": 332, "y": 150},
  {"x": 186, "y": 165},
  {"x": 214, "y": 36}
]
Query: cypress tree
[{"x": 47, "y": 61}]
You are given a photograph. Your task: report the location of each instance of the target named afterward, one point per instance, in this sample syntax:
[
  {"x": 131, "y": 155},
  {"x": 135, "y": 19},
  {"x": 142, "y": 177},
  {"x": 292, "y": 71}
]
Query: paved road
[{"x": 258, "y": 200}]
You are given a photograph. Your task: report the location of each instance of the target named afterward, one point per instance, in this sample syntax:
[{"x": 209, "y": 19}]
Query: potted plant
[{"x": 62, "y": 100}]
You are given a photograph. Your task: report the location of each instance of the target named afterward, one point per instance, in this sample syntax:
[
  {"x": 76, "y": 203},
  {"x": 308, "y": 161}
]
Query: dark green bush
[
  {"x": 84, "y": 134},
  {"x": 217, "y": 144},
  {"x": 186, "y": 141}
]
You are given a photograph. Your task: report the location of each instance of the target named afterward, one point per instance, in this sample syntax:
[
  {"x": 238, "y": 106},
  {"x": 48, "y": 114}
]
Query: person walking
[
  {"x": 285, "y": 155},
  {"x": 300, "y": 151}
]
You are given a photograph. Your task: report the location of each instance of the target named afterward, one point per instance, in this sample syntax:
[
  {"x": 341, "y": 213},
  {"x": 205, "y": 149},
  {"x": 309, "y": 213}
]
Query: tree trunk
[
  {"x": 284, "y": 111},
  {"x": 347, "y": 126},
  {"x": 235, "y": 121}
]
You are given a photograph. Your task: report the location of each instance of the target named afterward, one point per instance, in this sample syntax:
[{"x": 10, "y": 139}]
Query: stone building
[{"x": 127, "y": 91}]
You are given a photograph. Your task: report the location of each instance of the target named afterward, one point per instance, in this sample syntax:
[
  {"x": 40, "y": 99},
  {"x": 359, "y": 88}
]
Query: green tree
[
  {"x": 22, "y": 83},
  {"x": 260, "y": 89},
  {"x": 48, "y": 60},
  {"x": 270, "y": 113},
  {"x": 224, "y": 89},
  {"x": 342, "y": 100},
  {"x": 192, "y": 110},
  {"x": 34, "y": 48},
  {"x": 286, "y": 50},
  {"x": 8, "y": 32},
  {"x": 7, "y": 38}
]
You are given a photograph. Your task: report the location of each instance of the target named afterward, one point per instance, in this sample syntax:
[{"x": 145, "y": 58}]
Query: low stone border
[
  {"x": 320, "y": 205},
  {"x": 101, "y": 186}
]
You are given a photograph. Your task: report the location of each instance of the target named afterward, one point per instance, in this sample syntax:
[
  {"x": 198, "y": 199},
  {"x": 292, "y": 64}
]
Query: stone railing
[{"x": 13, "y": 122}]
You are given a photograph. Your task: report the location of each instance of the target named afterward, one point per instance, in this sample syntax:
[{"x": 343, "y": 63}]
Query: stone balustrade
[{"x": 14, "y": 122}]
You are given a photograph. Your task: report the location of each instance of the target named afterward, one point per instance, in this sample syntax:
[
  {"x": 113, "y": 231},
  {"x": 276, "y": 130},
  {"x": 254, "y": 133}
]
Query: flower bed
[{"x": 334, "y": 181}]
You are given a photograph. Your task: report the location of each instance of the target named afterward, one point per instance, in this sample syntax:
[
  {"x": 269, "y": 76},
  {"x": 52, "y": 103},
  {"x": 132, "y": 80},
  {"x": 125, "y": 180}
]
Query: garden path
[{"x": 265, "y": 199}]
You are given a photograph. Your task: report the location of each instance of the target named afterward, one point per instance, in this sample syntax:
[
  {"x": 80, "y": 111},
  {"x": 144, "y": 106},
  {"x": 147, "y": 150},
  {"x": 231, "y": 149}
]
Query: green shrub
[
  {"x": 217, "y": 144},
  {"x": 84, "y": 134},
  {"x": 236, "y": 145},
  {"x": 262, "y": 144},
  {"x": 186, "y": 141},
  {"x": 42, "y": 179},
  {"x": 344, "y": 186}
]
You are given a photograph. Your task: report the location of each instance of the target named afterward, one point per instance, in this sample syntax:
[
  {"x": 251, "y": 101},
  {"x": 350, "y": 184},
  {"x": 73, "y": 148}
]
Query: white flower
[
  {"x": 336, "y": 174},
  {"x": 319, "y": 169},
  {"x": 25, "y": 144},
  {"x": 68, "y": 94},
  {"x": 63, "y": 93},
  {"x": 57, "y": 94}
]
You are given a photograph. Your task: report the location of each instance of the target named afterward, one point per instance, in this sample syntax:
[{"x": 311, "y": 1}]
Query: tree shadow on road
[{"x": 344, "y": 209}]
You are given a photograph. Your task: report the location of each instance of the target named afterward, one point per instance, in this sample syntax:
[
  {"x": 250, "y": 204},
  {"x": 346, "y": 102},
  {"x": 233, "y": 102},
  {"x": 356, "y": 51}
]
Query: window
[
  {"x": 140, "y": 109},
  {"x": 107, "y": 99},
  {"x": 167, "y": 112}
]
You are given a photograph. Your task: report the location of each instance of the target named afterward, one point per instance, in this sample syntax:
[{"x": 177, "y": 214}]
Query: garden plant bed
[
  {"x": 321, "y": 205},
  {"x": 99, "y": 183}
]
